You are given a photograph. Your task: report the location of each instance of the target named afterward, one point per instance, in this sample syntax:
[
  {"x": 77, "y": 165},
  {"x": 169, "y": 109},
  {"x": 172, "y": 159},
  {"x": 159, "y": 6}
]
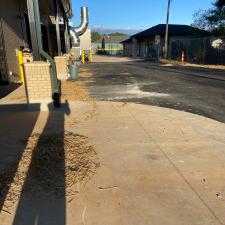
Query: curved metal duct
[
  {"x": 84, "y": 21},
  {"x": 78, "y": 31},
  {"x": 75, "y": 40}
]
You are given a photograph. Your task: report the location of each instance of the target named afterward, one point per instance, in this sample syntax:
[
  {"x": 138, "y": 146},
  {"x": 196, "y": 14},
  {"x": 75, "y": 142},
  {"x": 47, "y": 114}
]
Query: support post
[
  {"x": 20, "y": 61},
  {"x": 182, "y": 57},
  {"x": 66, "y": 35},
  {"x": 90, "y": 56},
  {"x": 33, "y": 31},
  {"x": 83, "y": 57},
  {"x": 55, "y": 84},
  {"x": 58, "y": 31}
]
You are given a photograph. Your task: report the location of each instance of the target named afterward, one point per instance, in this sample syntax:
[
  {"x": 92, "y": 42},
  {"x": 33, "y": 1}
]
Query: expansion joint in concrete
[{"x": 174, "y": 166}]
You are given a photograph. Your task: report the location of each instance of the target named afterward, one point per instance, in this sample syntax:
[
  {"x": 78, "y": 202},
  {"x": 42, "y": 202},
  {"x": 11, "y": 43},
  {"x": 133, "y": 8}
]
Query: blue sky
[{"x": 133, "y": 15}]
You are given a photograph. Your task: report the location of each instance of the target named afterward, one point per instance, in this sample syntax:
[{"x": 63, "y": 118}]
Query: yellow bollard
[
  {"x": 90, "y": 56},
  {"x": 20, "y": 61},
  {"x": 83, "y": 57}
]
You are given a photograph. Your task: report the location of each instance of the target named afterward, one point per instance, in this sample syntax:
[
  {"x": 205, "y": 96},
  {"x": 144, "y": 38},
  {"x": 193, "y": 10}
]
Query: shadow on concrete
[
  {"x": 6, "y": 89},
  {"x": 16, "y": 125},
  {"x": 42, "y": 207}
]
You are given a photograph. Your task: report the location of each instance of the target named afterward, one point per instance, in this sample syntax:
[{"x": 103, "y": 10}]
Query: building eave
[{"x": 67, "y": 5}]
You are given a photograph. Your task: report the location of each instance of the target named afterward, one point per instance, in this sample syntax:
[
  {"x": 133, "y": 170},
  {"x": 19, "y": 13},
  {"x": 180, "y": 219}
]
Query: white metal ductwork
[{"x": 78, "y": 31}]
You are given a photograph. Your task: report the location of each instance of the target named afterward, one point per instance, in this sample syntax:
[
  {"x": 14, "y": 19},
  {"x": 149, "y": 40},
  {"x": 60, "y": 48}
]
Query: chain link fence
[
  {"x": 110, "y": 49},
  {"x": 209, "y": 50}
]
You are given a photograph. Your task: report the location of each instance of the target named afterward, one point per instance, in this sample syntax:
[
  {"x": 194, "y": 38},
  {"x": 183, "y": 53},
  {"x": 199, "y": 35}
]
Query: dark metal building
[
  {"x": 150, "y": 42},
  {"x": 17, "y": 31}
]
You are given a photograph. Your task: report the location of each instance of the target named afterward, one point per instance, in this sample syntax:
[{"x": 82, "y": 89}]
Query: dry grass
[
  {"x": 85, "y": 73},
  {"x": 51, "y": 163},
  {"x": 173, "y": 62},
  {"x": 125, "y": 72},
  {"x": 77, "y": 91}
]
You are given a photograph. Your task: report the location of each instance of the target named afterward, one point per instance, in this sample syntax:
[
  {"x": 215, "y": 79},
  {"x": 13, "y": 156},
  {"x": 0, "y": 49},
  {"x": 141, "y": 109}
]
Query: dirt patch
[
  {"x": 124, "y": 72},
  {"x": 173, "y": 62},
  {"x": 167, "y": 65},
  {"x": 85, "y": 73},
  {"x": 51, "y": 163},
  {"x": 77, "y": 91}
]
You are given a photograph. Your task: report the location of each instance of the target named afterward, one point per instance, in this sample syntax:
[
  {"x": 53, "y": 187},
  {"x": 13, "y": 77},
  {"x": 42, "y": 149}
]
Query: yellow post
[
  {"x": 90, "y": 56},
  {"x": 20, "y": 60},
  {"x": 83, "y": 57}
]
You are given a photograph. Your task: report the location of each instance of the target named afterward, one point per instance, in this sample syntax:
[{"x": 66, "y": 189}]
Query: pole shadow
[
  {"x": 43, "y": 197},
  {"x": 16, "y": 125}
]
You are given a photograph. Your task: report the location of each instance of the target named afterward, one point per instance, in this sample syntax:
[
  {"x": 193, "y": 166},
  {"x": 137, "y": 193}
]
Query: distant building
[
  {"x": 110, "y": 45},
  {"x": 150, "y": 43},
  {"x": 18, "y": 31}
]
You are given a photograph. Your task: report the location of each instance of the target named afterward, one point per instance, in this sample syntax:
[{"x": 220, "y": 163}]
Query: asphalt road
[{"x": 197, "y": 91}]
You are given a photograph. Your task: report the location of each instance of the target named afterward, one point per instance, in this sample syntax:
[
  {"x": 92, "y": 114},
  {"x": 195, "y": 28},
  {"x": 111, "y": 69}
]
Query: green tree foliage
[
  {"x": 95, "y": 36},
  {"x": 200, "y": 21},
  {"x": 212, "y": 19},
  {"x": 117, "y": 34}
]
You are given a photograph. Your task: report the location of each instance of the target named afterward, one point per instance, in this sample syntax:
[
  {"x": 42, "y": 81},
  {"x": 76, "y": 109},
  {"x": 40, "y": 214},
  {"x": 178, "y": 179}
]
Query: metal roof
[{"x": 174, "y": 29}]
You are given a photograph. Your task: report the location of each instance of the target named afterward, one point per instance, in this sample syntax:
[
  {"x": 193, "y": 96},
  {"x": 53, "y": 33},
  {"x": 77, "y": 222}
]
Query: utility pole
[{"x": 167, "y": 30}]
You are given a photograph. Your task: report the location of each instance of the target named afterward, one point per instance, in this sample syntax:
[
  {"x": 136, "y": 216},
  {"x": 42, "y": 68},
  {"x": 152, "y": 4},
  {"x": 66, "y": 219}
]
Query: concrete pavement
[
  {"x": 199, "y": 91},
  {"x": 158, "y": 166}
]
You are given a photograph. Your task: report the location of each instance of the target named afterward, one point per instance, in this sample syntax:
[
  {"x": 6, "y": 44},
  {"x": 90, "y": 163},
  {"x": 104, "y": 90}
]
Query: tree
[
  {"x": 117, "y": 34},
  {"x": 95, "y": 36},
  {"x": 200, "y": 20},
  {"x": 212, "y": 19}
]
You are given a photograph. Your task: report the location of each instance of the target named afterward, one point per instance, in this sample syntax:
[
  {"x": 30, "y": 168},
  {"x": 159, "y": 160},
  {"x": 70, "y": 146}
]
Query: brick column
[
  {"x": 61, "y": 67},
  {"x": 38, "y": 81}
]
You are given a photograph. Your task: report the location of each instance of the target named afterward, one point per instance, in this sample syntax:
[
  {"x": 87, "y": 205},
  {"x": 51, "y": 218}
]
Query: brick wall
[
  {"x": 38, "y": 81},
  {"x": 61, "y": 67}
]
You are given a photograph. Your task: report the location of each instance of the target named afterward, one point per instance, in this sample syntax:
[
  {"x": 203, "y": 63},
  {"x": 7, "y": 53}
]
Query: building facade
[
  {"x": 150, "y": 43},
  {"x": 17, "y": 31}
]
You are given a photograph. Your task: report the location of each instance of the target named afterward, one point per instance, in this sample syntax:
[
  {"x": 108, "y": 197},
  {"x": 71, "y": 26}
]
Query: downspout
[
  {"x": 54, "y": 80},
  {"x": 78, "y": 31}
]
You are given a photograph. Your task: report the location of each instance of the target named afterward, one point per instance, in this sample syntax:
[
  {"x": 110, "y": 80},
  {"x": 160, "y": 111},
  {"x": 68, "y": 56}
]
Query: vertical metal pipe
[
  {"x": 33, "y": 31},
  {"x": 54, "y": 79},
  {"x": 58, "y": 30},
  {"x": 66, "y": 35}
]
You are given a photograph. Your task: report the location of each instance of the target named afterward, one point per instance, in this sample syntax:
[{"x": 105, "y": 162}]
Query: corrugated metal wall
[
  {"x": 3, "y": 63},
  {"x": 11, "y": 12}
]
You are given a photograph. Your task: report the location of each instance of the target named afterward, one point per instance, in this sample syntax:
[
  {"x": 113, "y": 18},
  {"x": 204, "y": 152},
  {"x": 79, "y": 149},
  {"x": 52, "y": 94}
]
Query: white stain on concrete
[{"x": 133, "y": 91}]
